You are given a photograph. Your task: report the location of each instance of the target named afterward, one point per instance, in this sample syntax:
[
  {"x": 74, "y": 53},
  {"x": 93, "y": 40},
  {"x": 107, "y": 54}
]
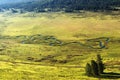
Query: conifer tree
[
  {"x": 94, "y": 68},
  {"x": 88, "y": 70},
  {"x": 100, "y": 64}
]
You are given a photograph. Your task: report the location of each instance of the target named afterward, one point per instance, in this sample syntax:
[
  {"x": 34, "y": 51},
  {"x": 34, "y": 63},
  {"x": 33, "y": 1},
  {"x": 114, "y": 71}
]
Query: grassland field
[{"x": 75, "y": 38}]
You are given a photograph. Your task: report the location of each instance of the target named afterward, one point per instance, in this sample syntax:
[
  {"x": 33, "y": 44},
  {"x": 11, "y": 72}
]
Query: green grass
[
  {"x": 10, "y": 71},
  {"x": 37, "y": 60},
  {"x": 85, "y": 25}
]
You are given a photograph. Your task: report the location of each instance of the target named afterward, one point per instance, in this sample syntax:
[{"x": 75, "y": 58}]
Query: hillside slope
[{"x": 64, "y": 5}]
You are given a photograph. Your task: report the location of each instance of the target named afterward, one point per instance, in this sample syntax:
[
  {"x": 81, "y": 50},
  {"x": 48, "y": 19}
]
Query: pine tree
[
  {"x": 100, "y": 64},
  {"x": 88, "y": 70},
  {"x": 94, "y": 68}
]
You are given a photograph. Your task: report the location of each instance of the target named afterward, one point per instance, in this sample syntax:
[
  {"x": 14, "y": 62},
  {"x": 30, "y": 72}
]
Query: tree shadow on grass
[{"x": 110, "y": 75}]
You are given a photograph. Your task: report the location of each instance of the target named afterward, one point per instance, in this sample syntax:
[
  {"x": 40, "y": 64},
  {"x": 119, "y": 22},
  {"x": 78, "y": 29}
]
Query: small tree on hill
[
  {"x": 88, "y": 70},
  {"x": 94, "y": 68}
]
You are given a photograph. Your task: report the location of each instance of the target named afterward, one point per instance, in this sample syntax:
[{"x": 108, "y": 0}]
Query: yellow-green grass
[
  {"x": 16, "y": 65},
  {"x": 17, "y": 55},
  {"x": 18, "y": 71},
  {"x": 62, "y": 25}
]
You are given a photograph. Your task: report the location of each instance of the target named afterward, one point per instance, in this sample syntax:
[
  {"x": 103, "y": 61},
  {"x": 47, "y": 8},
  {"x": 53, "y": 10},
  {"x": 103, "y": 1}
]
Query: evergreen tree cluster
[
  {"x": 95, "y": 68},
  {"x": 64, "y": 5}
]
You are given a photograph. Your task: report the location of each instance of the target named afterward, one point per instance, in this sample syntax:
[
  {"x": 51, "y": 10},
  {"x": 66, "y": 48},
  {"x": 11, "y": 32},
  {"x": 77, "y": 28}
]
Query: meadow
[{"x": 57, "y": 46}]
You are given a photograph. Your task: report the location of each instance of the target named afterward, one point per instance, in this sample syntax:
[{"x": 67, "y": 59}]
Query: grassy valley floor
[{"x": 57, "y": 46}]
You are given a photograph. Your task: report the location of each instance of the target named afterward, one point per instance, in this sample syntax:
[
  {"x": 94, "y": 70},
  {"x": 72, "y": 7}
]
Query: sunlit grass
[
  {"x": 62, "y": 25},
  {"x": 44, "y": 62}
]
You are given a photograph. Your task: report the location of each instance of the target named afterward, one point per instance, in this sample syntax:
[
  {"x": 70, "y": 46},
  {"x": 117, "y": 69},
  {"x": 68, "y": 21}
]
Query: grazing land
[{"x": 57, "y": 45}]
